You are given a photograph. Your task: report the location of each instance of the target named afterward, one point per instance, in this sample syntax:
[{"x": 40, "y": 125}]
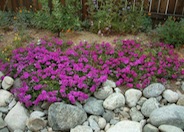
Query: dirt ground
[{"x": 76, "y": 37}]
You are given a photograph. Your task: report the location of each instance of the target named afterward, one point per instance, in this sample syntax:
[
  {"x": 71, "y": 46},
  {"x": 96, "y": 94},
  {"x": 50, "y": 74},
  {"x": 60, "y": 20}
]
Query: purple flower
[
  {"x": 26, "y": 75},
  {"x": 129, "y": 85},
  {"x": 38, "y": 87}
]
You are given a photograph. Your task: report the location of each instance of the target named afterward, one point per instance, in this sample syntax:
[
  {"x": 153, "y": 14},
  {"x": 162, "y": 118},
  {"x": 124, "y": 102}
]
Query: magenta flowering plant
[{"x": 58, "y": 71}]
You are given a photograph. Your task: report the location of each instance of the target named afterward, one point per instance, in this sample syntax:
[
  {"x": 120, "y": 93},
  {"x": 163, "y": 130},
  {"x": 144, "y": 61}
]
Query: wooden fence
[{"x": 155, "y": 8}]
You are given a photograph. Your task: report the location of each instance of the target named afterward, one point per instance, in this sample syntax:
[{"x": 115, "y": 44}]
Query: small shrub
[
  {"x": 171, "y": 32},
  {"x": 6, "y": 19},
  {"x": 117, "y": 16},
  {"x": 62, "y": 17}
]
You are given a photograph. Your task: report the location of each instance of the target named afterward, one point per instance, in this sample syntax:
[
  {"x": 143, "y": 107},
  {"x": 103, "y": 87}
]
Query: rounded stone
[
  {"x": 181, "y": 101},
  {"x": 101, "y": 122},
  {"x": 103, "y": 93},
  {"x": 37, "y": 114},
  {"x": 150, "y": 128},
  {"x": 170, "y": 115},
  {"x": 153, "y": 90},
  {"x": 114, "y": 101},
  {"x": 80, "y": 128},
  {"x": 108, "y": 115},
  {"x": 93, "y": 123},
  {"x": 132, "y": 96},
  {"x": 110, "y": 83},
  {"x": 169, "y": 128},
  {"x": 94, "y": 106},
  {"x": 63, "y": 117},
  {"x": 36, "y": 124},
  {"x": 5, "y": 97},
  {"x": 7, "y": 82},
  {"x": 136, "y": 115},
  {"x": 149, "y": 106},
  {"x": 17, "y": 117},
  {"x": 126, "y": 126},
  {"x": 170, "y": 96}
]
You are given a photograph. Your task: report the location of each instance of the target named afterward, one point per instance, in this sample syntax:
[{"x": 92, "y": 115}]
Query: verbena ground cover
[{"x": 55, "y": 71}]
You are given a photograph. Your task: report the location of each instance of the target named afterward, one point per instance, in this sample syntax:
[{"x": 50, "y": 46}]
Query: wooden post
[
  {"x": 84, "y": 9},
  {"x": 50, "y": 5}
]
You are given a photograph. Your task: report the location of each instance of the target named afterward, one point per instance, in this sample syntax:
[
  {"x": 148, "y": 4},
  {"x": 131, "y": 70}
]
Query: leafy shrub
[
  {"x": 6, "y": 19},
  {"x": 62, "y": 17},
  {"x": 171, "y": 32},
  {"x": 132, "y": 22},
  {"x": 55, "y": 71},
  {"x": 102, "y": 15},
  {"x": 23, "y": 18},
  {"x": 117, "y": 15}
]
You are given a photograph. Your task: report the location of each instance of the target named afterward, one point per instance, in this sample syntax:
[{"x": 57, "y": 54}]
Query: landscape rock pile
[{"x": 152, "y": 109}]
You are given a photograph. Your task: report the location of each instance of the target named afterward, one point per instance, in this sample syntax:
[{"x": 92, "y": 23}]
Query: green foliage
[
  {"x": 6, "y": 53},
  {"x": 171, "y": 32},
  {"x": 62, "y": 17},
  {"x": 6, "y": 19},
  {"x": 118, "y": 16},
  {"x": 102, "y": 14},
  {"x": 133, "y": 22},
  {"x": 22, "y": 20}
]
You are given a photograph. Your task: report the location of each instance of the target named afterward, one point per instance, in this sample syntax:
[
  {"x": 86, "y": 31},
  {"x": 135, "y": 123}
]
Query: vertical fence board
[
  {"x": 163, "y": 6},
  {"x": 2, "y": 4},
  {"x": 171, "y": 6},
  {"x": 84, "y": 9},
  {"x": 179, "y": 7}
]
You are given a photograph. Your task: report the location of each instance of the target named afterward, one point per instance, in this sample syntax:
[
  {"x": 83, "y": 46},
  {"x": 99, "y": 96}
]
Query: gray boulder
[
  {"x": 108, "y": 115},
  {"x": 126, "y": 126},
  {"x": 168, "y": 115},
  {"x": 7, "y": 82},
  {"x": 136, "y": 115},
  {"x": 4, "y": 130},
  {"x": 93, "y": 123},
  {"x": 5, "y": 97},
  {"x": 103, "y": 93},
  {"x": 149, "y": 106},
  {"x": 80, "y": 128},
  {"x": 94, "y": 106},
  {"x": 2, "y": 123},
  {"x": 114, "y": 101},
  {"x": 150, "y": 128},
  {"x": 132, "y": 96},
  {"x": 64, "y": 116},
  {"x": 170, "y": 96},
  {"x": 110, "y": 83},
  {"x": 101, "y": 122},
  {"x": 36, "y": 124},
  {"x": 36, "y": 121},
  {"x": 181, "y": 101},
  {"x": 37, "y": 114},
  {"x": 17, "y": 117},
  {"x": 153, "y": 90},
  {"x": 141, "y": 101},
  {"x": 169, "y": 128}
]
